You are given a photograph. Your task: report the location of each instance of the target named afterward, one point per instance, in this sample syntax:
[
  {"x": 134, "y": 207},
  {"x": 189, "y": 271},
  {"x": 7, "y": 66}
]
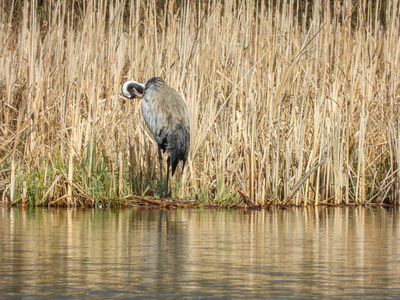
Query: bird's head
[{"x": 133, "y": 89}]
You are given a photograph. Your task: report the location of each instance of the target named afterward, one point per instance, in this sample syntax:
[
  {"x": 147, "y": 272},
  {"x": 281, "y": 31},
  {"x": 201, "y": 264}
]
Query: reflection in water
[{"x": 200, "y": 253}]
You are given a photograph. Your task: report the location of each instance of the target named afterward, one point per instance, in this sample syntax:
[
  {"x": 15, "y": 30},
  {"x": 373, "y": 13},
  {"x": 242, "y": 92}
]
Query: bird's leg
[
  {"x": 161, "y": 177},
  {"x": 168, "y": 163}
]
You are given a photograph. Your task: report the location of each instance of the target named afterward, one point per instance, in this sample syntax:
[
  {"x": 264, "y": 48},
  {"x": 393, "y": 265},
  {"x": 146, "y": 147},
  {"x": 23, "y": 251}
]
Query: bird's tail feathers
[{"x": 178, "y": 146}]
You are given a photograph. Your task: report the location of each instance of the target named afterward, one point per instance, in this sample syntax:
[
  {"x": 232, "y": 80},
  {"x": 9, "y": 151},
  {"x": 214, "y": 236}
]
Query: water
[{"x": 200, "y": 253}]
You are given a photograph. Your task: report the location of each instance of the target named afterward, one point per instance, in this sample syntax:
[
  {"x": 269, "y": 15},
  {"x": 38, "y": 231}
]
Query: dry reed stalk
[{"x": 13, "y": 158}]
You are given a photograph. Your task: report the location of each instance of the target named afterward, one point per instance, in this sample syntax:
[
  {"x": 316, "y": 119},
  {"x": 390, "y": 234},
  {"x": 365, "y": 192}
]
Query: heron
[{"x": 166, "y": 115}]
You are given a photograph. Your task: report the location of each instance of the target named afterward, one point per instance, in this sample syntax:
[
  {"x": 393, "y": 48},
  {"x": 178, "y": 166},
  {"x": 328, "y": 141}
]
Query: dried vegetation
[{"x": 293, "y": 102}]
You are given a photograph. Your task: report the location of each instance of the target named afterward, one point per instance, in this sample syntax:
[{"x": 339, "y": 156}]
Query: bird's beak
[{"x": 137, "y": 94}]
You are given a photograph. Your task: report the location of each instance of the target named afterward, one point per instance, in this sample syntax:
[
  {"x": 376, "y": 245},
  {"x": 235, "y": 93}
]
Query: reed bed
[{"x": 293, "y": 102}]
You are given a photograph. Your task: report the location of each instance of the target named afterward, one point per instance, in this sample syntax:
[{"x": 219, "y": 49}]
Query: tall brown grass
[{"x": 292, "y": 102}]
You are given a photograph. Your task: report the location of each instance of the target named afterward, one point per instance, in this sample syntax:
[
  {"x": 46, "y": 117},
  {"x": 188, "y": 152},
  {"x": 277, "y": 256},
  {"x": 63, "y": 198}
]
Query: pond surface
[{"x": 200, "y": 253}]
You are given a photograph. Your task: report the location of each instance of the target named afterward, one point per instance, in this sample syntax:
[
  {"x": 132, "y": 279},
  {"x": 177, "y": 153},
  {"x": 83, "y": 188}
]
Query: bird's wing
[{"x": 163, "y": 110}]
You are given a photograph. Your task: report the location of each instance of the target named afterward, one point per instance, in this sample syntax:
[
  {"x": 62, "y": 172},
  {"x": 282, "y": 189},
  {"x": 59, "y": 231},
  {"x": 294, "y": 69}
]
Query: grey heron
[{"x": 167, "y": 117}]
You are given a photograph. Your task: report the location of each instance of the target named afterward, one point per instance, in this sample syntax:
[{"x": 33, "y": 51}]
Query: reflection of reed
[{"x": 195, "y": 252}]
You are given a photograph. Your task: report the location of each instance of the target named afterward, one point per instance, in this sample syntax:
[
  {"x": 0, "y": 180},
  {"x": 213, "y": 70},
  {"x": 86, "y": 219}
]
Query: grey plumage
[{"x": 166, "y": 115}]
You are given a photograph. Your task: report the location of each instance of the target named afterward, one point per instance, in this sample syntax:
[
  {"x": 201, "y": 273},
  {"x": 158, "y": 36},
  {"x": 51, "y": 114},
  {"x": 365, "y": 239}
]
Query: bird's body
[{"x": 166, "y": 115}]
